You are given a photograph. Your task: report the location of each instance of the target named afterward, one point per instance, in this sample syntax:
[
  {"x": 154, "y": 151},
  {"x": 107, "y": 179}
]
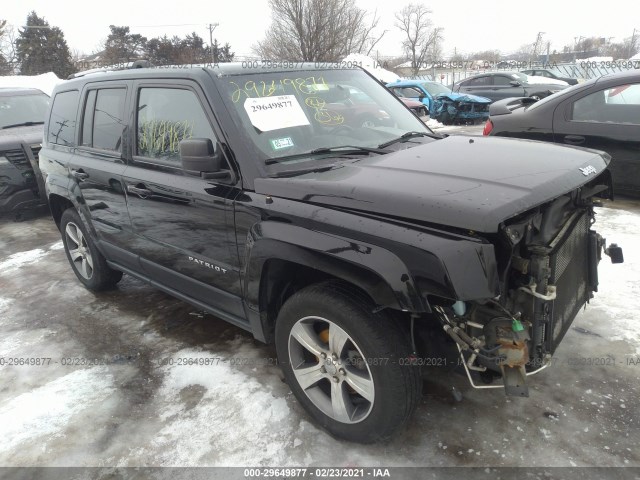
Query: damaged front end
[
  {"x": 547, "y": 261},
  {"x": 455, "y": 108}
]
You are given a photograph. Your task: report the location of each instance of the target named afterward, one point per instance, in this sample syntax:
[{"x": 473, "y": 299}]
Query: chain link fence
[{"x": 584, "y": 69}]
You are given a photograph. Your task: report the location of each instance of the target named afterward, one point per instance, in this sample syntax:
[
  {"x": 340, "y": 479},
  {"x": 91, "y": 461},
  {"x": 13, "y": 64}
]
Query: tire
[
  {"x": 353, "y": 399},
  {"x": 87, "y": 262}
]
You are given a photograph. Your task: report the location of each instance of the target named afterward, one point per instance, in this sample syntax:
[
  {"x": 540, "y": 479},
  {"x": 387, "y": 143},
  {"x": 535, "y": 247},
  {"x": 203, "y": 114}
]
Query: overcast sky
[{"x": 469, "y": 25}]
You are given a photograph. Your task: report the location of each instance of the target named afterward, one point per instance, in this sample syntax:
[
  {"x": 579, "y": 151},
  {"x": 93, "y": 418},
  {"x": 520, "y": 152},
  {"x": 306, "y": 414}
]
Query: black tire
[
  {"x": 87, "y": 262},
  {"x": 373, "y": 336}
]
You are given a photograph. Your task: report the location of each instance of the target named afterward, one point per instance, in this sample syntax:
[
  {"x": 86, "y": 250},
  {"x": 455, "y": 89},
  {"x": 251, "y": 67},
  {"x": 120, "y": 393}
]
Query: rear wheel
[
  {"x": 87, "y": 262},
  {"x": 345, "y": 364}
]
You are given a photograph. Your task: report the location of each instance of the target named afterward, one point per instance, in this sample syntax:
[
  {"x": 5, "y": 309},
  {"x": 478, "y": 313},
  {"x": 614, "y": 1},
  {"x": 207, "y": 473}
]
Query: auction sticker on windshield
[{"x": 273, "y": 113}]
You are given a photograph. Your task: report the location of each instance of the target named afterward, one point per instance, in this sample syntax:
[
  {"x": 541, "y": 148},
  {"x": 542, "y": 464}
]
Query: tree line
[
  {"x": 39, "y": 47},
  {"x": 300, "y": 30}
]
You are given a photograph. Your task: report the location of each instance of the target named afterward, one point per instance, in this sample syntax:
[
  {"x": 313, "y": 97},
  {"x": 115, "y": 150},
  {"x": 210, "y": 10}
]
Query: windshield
[
  {"x": 288, "y": 114},
  {"x": 436, "y": 88},
  {"x": 19, "y": 109},
  {"x": 520, "y": 76}
]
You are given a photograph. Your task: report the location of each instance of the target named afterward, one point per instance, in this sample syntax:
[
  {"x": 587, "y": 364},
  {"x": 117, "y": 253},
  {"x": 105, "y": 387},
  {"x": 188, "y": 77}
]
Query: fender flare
[{"x": 351, "y": 260}]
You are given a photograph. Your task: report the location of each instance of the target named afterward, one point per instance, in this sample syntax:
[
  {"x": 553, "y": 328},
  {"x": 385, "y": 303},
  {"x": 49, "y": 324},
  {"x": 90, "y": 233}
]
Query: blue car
[{"x": 444, "y": 105}]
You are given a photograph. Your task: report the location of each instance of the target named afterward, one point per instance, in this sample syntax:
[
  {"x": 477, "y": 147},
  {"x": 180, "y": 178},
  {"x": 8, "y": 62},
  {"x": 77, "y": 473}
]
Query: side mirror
[
  {"x": 422, "y": 97},
  {"x": 515, "y": 83},
  {"x": 198, "y": 155}
]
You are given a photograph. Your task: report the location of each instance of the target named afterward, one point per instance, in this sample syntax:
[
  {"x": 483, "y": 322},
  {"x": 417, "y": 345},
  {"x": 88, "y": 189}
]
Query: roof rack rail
[{"x": 113, "y": 68}]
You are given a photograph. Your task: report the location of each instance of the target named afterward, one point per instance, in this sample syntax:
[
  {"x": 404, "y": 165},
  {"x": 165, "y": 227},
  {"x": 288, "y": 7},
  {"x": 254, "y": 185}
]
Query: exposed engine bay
[{"x": 547, "y": 260}]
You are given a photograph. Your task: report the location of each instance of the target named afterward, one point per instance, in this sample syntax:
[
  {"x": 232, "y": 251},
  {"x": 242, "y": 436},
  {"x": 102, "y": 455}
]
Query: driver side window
[{"x": 166, "y": 116}]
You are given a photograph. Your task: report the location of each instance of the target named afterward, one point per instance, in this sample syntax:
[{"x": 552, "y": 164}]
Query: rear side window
[
  {"x": 166, "y": 116},
  {"x": 62, "y": 123},
  {"x": 103, "y": 120}
]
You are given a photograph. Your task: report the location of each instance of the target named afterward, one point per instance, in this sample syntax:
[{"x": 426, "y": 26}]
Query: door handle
[
  {"x": 574, "y": 139},
  {"x": 142, "y": 192},
  {"x": 79, "y": 175}
]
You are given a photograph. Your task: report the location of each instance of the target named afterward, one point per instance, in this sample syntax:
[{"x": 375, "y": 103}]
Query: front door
[{"x": 183, "y": 224}]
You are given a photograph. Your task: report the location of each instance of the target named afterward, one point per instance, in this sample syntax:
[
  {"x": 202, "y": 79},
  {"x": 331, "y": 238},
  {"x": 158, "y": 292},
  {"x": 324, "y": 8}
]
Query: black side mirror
[
  {"x": 198, "y": 156},
  {"x": 421, "y": 97},
  {"x": 515, "y": 83}
]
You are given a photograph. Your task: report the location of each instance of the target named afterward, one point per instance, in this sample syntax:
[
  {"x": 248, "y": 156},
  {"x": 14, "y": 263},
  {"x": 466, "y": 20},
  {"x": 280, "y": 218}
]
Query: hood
[
  {"x": 472, "y": 183},
  {"x": 462, "y": 97},
  {"x": 12, "y": 138}
]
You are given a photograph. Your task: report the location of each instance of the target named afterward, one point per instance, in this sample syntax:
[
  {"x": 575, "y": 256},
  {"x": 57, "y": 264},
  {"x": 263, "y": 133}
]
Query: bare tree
[
  {"x": 7, "y": 48},
  {"x": 317, "y": 31},
  {"x": 414, "y": 22}
]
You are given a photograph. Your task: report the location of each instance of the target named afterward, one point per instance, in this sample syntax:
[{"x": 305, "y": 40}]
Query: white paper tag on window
[{"x": 273, "y": 113}]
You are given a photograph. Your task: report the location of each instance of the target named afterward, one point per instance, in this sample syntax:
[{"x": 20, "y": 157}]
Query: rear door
[
  {"x": 606, "y": 119},
  {"x": 183, "y": 224},
  {"x": 482, "y": 86},
  {"x": 99, "y": 163}
]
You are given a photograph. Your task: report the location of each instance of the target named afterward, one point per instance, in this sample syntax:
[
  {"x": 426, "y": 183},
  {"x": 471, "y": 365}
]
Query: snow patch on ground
[
  {"x": 619, "y": 291},
  {"x": 4, "y": 304},
  {"x": 12, "y": 262},
  {"x": 233, "y": 409},
  {"x": 432, "y": 123},
  {"x": 46, "y": 410},
  {"x": 57, "y": 246}
]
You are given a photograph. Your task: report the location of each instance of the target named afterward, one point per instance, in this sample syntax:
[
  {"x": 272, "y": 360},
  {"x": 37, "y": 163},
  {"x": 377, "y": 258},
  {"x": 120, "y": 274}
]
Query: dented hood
[{"x": 472, "y": 183}]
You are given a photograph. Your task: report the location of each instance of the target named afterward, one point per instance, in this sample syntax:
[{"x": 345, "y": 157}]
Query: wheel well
[
  {"x": 58, "y": 205},
  {"x": 283, "y": 278}
]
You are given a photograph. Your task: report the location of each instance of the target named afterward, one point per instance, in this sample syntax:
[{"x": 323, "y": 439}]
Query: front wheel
[
  {"x": 347, "y": 366},
  {"x": 87, "y": 262}
]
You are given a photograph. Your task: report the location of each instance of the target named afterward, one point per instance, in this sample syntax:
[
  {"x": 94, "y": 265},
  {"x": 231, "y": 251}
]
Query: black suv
[
  {"x": 364, "y": 252},
  {"x": 22, "y": 113}
]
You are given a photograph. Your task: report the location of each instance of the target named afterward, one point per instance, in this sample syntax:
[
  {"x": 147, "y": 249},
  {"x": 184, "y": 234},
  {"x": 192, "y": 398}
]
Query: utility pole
[{"x": 212, "y": 27}]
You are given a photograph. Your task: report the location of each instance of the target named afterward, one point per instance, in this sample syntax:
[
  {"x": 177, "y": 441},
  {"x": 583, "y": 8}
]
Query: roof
[
  {"x": 219, "y": 69},
  {"x": 14, "y": 91}
]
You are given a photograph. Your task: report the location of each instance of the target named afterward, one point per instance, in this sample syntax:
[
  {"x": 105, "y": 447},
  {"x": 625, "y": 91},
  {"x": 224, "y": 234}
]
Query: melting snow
[
  {"x": 12, "y": 262},
  {"x": 46, "y": 410},
  {"x": 234, "y": 408}
]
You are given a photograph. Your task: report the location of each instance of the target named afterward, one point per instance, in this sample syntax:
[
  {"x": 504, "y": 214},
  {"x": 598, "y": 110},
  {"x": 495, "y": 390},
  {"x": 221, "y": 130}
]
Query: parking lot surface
[{"x": 133, "y": 377}]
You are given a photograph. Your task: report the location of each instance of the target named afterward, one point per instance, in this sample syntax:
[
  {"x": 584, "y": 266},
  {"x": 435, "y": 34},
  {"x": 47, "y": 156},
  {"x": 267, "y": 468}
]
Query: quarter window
[
  {"x": 62, "y": 122},
  {"x": 166, "y": 116}
]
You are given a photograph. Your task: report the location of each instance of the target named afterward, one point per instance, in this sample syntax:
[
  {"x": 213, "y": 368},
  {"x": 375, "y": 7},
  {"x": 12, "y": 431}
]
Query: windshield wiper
[
  {"x": 343, "y": 150},
  {"x": 24, "y": 124},
  {"x": 303, "y": 171},
  {"x": 407, "y": 136}
]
